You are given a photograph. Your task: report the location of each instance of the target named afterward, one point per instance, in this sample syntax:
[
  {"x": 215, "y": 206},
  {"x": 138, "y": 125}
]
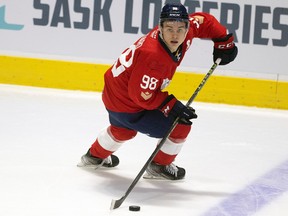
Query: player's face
[{"x": 174, "y": 34}]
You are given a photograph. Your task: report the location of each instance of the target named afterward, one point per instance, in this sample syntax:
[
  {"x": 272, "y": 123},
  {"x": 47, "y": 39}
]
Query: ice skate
[
  {"x": 164, "y": 172},
  {"x": 90, "y": 161}
]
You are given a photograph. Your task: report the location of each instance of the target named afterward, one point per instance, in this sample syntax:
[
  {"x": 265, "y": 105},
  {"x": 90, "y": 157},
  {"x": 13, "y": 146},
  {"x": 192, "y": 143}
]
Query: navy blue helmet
[{"x": 174, "y": 12}]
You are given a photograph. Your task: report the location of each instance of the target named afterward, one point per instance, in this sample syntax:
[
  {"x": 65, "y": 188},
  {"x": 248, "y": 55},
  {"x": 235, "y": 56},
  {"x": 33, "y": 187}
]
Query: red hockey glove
[
  {"x": 173, "y": 107},
  {"x": 225, "y": 49}
]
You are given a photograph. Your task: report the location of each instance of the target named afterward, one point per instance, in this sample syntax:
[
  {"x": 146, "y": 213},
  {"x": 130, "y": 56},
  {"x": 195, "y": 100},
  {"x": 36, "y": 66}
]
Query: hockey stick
[{"x": 117, "y": 203}]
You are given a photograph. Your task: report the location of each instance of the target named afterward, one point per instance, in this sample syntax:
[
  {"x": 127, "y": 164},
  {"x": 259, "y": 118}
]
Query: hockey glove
[
  {"x": 173, "y": 107},
  {"x": 225, "y": 49}
]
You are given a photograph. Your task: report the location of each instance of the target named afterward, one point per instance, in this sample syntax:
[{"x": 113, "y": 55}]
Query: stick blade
[{"x": 116, "y": 203}]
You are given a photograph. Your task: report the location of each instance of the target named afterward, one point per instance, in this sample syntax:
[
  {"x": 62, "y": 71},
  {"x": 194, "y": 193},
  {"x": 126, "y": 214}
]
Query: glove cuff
[
  {"x": 224, "y": 43},
  {"x": 167, "y": 105}
]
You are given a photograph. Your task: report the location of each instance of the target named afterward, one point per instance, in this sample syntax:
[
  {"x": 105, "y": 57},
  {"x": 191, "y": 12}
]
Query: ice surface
[{"x": 235, "y": 158}]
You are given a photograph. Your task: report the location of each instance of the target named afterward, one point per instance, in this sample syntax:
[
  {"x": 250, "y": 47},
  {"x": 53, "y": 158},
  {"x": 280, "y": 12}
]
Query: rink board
[{"x": 89, "y": 77}]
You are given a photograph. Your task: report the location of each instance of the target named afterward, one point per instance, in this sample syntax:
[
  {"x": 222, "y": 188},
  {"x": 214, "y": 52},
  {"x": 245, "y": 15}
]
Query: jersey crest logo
[
  {"x": 165, "y": 83},
  {"x": 146, "y": 95}
]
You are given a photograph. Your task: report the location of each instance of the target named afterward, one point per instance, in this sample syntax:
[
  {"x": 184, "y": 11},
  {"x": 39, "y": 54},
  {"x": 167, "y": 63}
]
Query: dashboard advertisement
[{"x": 99, "y": 30}]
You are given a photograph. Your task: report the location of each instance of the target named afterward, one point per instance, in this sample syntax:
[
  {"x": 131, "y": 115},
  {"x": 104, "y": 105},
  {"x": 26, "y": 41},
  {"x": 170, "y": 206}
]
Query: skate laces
[{"x": 172, "y": 169}]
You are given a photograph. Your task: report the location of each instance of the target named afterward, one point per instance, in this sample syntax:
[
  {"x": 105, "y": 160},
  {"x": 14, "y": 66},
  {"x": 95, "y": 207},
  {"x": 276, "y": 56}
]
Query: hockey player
[{"x": 134, "y": 93}]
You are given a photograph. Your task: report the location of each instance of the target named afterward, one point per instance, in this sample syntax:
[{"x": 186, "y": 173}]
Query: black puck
[{"x": 134, "y": 208}]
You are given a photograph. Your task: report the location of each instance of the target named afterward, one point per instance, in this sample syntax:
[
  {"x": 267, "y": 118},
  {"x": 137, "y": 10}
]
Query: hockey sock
[
  {"x": 168, "y": 152},
  {"x": 110, "y": 140},
  {"x": 173, "y": 145}
]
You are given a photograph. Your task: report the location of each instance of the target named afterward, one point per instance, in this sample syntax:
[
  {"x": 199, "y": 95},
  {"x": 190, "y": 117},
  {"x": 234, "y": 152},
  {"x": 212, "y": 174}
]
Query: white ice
[{"x": 44, "y": 132}]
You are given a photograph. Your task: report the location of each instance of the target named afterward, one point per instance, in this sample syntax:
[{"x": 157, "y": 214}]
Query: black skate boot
[
  {"x": 90, "y": 161},
  {"x": 166, "y": 172}
]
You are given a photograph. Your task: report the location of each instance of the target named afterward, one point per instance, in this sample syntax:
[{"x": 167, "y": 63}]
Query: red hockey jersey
[{"x": 137, "y": 79}]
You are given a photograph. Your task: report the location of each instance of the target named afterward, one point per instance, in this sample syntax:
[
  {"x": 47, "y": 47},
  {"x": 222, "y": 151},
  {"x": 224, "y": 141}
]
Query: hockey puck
[{"x": 134, "y": 208}]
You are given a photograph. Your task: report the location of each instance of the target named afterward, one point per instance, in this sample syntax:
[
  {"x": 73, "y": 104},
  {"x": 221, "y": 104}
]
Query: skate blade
[
  {"x": 153, "y": 177},
  {"x": 149, "y": 176},
  {"x": 81, "y": 164},
  {"x": 89, "y": 166}
]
